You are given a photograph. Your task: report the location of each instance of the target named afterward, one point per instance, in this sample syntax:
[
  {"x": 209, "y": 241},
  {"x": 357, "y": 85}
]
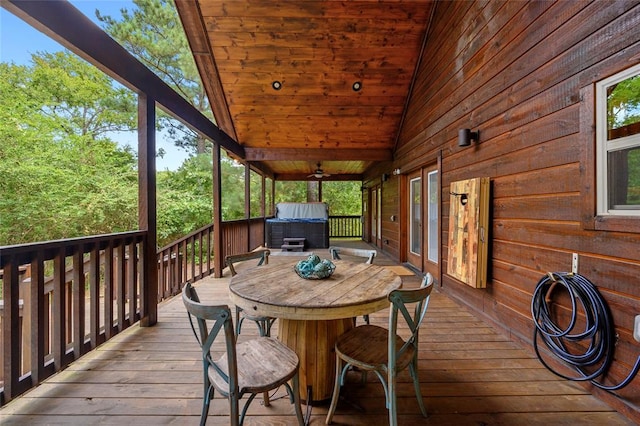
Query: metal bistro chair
[
  {"x": 250, "y": 367},
  {"x": 364, "y": 347},
  {"x": 264, "y": 323},
  {"x": 336, "y": 251},
  {"x": 370, "y": 255}
]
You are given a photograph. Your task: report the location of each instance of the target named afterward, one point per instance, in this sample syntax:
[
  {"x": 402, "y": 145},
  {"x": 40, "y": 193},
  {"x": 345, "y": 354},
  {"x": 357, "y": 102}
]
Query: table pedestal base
[{"x": 314, "y": 343}]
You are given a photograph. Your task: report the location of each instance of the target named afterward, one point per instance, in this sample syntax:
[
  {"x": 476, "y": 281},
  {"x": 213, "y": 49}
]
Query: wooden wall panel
[{"x": 515, "y": 71}]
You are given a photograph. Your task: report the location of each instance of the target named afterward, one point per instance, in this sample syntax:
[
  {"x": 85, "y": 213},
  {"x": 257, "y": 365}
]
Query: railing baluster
[
  {"x": 59, "y": 310},
  {"x": 11, "y": 327},
  {"x": 108, "y": 291},
  {"x": 94, "y": 296},
  {"x": 78, "y": 292},
  {"x": 120, "y": 286},
  {"x": 132, "y": 280},
  {"x": 39, "y": 314}
]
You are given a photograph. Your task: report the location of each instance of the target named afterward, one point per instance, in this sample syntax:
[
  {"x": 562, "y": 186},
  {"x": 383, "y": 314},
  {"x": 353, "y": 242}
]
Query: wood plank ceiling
[{"x": 316, "y": 51}]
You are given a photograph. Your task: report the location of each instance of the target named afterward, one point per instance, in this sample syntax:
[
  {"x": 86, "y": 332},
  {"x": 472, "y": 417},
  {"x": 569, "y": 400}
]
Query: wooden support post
[
  {"x": 147, "y": 210},
  {"x": 218, "y": 259}
]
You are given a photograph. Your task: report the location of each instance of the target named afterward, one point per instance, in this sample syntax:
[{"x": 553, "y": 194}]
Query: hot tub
[{"x": 299, "y": 220}]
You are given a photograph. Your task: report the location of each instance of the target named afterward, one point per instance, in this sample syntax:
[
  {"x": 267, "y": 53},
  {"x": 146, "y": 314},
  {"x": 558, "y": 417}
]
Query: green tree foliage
[
  {"x": 61, "y": 175},
  {"x": 255, "y": 192},
  {"x": 291, "y": 192},
  {"x": 153, "y": 33},
  {"x": 232, "y": 176},
  {"x": 623, "y": 103},
  {"x": 82, "y": 99},
  {"x": 185, "y": 200},
  {"x": 623, "y": 109},
  {"x": 343, "y": 197}
]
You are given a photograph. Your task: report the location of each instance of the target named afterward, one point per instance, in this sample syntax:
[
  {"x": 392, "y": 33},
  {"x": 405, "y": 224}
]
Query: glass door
[{"x": 414, "y": 237}]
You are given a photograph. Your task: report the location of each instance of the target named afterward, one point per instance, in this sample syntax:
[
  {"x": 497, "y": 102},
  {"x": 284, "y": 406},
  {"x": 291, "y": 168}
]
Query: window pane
[
  {"x": 624, "y": 179},
  {"x": 415, "y": 216},
  {"x": 623, "y": 108},
  {"x": 432, "y": 211}
]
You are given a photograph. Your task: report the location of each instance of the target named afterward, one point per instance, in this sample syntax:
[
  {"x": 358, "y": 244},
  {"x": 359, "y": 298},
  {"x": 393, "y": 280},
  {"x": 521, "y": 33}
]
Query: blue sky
[{"x": 18, "y": 41}]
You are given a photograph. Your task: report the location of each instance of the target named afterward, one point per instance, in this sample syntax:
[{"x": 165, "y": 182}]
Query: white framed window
[{"x": 618, "y": 144}]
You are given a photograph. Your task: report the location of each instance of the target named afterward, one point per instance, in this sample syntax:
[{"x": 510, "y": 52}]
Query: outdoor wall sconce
[
  {"x": 385, "y": 177},
  {"x": 464, "y": 198},
  {"x": 276, "y": 85},
  {"x": 466, "y": 136}
]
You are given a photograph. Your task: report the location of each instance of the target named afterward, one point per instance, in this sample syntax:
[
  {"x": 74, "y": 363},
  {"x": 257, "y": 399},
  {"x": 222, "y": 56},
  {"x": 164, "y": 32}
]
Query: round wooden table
[{"x": 313, "y": 313}]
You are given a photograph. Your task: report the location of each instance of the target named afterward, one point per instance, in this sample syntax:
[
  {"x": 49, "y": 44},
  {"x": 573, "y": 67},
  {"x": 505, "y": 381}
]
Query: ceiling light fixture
[
  {"x": 276, "y": 85},
  {"x": 357, "y": 86}
]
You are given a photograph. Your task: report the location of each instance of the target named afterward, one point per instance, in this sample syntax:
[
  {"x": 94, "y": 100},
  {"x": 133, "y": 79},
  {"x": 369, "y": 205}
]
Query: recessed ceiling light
[
  {"x": 357, "y": 86},
  {"x": 276, "y": 85}
]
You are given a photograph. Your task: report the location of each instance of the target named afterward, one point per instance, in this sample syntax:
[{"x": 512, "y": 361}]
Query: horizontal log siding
[
  {"x": 515, "y": 71},
  {"x": 390, "y": 229}
]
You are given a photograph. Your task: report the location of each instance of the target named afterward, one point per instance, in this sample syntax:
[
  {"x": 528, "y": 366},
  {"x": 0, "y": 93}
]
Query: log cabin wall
[{"x": 521, "y": 73}]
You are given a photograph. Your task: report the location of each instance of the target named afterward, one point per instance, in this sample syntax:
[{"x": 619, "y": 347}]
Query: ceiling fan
[{"x": 319, "y": 173}]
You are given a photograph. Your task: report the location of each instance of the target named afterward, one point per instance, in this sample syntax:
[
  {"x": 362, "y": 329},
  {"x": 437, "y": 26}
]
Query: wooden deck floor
[{"x": 470, "y": 375}]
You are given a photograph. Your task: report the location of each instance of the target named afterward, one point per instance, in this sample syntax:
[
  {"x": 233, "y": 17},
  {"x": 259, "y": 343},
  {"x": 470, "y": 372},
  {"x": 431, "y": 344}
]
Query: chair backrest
[
  {"x": 211, "y": 320},
  {"x": 336, "y": 251},
  {"x": 261, "y": 254},
  {"x": 399, "y": 300}
]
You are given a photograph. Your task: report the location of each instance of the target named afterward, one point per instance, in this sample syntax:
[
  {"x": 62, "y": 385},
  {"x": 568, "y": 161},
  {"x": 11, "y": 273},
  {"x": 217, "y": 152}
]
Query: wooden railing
[
  {"x": 64, "y": 298},
  {"x": 191, "y": 258},
  {"x": 239, "y": 236},
  {"x": 74, "y": 295},
  {"x": 345, "y": 226},
  {"x": 188, "y": 259}
]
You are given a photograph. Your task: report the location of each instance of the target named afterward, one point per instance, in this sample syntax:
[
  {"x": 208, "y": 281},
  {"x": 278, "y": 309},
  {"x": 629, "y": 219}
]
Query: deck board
[{"x": 470, "y": 375}]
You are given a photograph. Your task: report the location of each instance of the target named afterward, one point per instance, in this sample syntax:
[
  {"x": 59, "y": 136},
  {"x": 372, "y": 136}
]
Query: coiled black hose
[{"x": 597, "y": 339}]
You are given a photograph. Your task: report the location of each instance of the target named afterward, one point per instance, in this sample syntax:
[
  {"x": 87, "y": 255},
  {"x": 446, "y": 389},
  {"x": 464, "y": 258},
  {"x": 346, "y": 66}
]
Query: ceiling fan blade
[{"x": 319, "y": 173}]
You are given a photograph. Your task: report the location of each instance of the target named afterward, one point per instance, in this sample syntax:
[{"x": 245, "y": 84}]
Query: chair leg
[
  {"x": 263, "y": 328},
  {"x": 336, "y": 391},
  {"x": 296, "y": 399},
  {"x": 238, "y": 320},
  {"x": 413, "y": 371},
  {"x": 265, "y": 397},
  {"x": 208, "y": 396},
  {"x": 392, "y": 402}
]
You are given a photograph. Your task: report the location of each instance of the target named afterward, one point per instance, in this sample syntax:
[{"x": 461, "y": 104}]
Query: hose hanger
[{"x": 590, "y": 351}]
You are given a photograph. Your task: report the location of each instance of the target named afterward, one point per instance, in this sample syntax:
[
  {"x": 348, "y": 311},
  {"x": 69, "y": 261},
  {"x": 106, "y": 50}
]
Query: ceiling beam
[
  {"x": 317, "y": 154},
  {"x": 305, "y": 176}
]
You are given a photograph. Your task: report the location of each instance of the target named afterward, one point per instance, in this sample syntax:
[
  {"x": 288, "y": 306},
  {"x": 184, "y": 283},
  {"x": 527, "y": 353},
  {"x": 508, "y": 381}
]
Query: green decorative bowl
[{"x": 313, "y": 268}]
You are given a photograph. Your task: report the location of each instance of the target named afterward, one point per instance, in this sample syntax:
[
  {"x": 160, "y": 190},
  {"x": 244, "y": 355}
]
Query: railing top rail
[
  {"x": 49, "y": 248},
  {"x": 186, "y": 237}
]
